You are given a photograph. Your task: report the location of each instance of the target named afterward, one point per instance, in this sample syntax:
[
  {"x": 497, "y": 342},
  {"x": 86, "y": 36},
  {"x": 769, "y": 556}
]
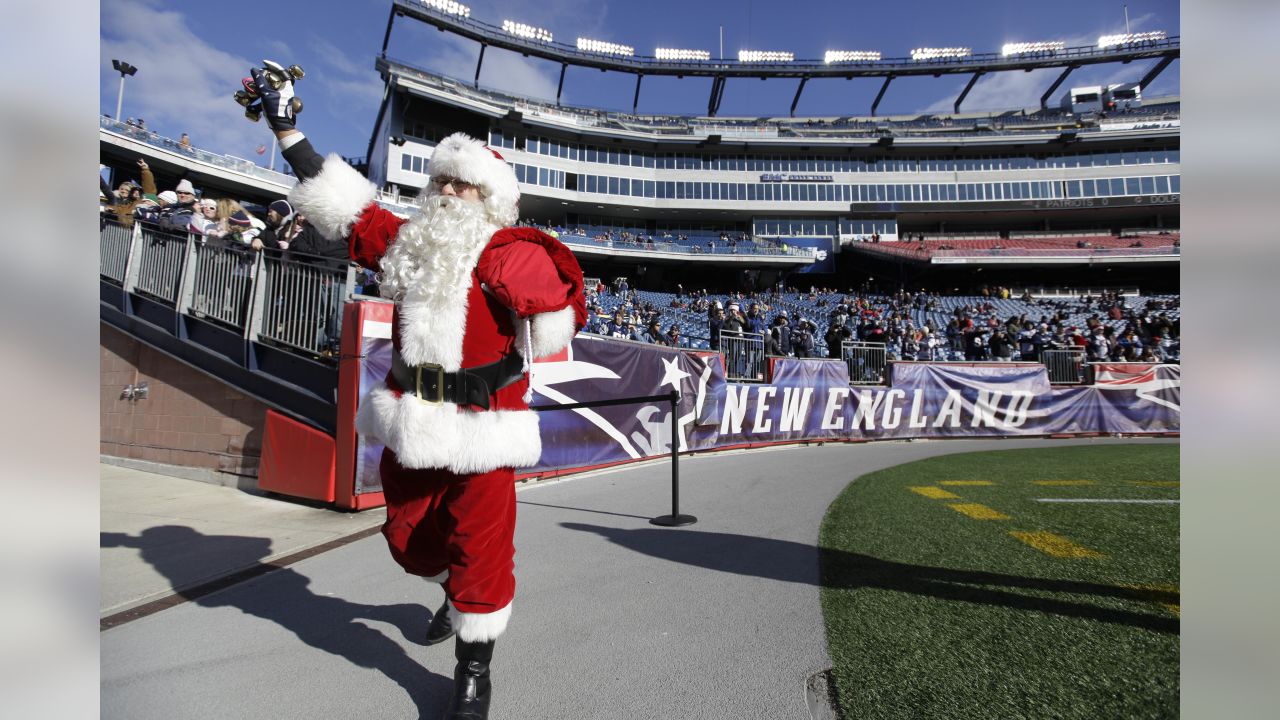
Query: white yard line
[{"x": 1109, "y": 500}]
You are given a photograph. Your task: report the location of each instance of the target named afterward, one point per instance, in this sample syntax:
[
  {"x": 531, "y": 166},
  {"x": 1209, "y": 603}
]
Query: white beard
[
  {"x": 427, "y": 271},
  {"x": 430, "y": 246}
]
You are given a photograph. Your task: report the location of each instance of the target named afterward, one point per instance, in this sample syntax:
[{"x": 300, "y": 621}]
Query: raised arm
[{"x": 338, "y": 201}]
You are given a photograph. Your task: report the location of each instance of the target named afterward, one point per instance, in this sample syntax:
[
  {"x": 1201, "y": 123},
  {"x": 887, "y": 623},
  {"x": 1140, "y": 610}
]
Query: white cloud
[
  {"x": 348, "y": 84},
  {"x": 183, "y": 83},
  {"x": 456, "y": 57}
]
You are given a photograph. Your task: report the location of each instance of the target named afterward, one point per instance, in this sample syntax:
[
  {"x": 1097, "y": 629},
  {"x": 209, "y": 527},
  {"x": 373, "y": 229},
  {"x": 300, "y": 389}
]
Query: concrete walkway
[
  {"x": 145, "y": 515},
  {"x": 614, "y": 617}
]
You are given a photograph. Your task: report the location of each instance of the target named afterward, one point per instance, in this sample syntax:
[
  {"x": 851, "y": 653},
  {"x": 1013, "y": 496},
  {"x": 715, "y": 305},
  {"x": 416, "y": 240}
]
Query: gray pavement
[
  {"x": 613, "y": 617},
  {"x": 145, "y": 515}
]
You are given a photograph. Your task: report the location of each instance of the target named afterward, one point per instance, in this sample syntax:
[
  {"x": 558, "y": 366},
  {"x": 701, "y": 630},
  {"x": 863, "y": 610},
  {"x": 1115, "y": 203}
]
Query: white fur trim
[
  {"x": 479, "y": 627},
  {"x": 334, "y": 199},
  {"x": 425, "y": 435},
  {"x": 552, "y": 332},
  {"x": 466, "y": 158}
]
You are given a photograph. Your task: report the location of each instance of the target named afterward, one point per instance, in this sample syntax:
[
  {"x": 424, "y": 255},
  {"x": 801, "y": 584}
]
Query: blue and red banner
[{"x": 806, "y": 400}]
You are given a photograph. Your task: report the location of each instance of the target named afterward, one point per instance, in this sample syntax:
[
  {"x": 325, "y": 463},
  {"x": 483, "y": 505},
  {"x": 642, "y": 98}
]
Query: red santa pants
[{"x": 438, "y": 520}]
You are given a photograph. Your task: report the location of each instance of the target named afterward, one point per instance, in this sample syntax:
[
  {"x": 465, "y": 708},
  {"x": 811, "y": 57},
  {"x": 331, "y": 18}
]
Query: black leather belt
[{"x": 469, "y": 386}]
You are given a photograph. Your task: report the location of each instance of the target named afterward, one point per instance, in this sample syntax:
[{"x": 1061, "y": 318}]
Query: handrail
[{"x": 675, "y": 519}]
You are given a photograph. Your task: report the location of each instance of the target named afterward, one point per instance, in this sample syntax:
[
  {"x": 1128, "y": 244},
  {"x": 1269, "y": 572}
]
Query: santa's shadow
[
  {"x": 786, "y": 561},
  {"x": 282, "y": 596}
]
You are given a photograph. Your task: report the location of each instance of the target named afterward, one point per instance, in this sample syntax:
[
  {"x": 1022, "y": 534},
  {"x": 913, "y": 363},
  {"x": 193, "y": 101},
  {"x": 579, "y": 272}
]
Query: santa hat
[{"x": 470, "y": 160}]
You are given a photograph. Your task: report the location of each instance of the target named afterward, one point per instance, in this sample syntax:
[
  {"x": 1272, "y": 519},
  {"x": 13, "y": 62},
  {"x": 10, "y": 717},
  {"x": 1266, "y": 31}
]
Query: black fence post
[
  {"x": 675, "y": 519},
  {"x": 673, "y": 397}
]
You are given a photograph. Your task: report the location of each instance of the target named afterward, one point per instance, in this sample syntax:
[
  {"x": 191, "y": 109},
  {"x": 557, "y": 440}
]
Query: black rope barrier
[{"x": 675, "y": 519}]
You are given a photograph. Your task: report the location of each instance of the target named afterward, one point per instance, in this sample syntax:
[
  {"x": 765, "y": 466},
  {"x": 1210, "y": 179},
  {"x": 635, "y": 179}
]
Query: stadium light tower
[{"x": 124, "y": 69}]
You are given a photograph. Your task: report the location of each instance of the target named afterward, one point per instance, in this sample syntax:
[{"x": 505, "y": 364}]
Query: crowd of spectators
[
  {"x": 630, "y": 319},
  {"x": 227, "y": 224},
  {"x": 1106, "y": 327},
  {"x": 223, "y": 221}
]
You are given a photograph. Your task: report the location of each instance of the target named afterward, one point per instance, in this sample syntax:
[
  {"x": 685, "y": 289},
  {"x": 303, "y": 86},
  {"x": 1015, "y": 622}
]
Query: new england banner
[{"x": 806, "y": 400}]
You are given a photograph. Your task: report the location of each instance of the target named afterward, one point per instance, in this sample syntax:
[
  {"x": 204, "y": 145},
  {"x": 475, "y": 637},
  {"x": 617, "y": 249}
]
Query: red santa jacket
[{"x": 521, "y": 281}]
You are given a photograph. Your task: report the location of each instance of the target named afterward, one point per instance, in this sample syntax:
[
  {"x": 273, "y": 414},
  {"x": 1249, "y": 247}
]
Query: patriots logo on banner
[
  {"x": 592, "y": 369},
  {"x": 1160, "y": 384}
]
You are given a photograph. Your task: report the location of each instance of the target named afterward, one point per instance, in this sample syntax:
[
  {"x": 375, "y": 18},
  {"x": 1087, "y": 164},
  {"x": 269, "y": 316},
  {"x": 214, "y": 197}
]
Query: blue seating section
[{"x": 817, "y": 309}]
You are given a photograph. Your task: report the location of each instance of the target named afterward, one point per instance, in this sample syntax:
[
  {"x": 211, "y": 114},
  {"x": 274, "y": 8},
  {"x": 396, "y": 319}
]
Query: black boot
[
  {"x": 470, "y": 682},
  {"x": 441, "y": 628}
]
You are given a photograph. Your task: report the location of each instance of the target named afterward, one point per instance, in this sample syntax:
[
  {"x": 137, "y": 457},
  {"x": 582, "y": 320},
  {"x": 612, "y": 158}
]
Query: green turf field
[{"x": 949, "y": 591}]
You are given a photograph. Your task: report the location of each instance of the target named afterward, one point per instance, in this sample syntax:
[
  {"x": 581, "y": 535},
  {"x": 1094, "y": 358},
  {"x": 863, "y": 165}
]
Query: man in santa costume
[{"x": 476, "y": 302}]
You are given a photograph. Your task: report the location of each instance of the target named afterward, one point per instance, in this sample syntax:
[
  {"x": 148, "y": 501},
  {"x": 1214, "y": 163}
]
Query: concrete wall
[{"x": 189, "y": 420}]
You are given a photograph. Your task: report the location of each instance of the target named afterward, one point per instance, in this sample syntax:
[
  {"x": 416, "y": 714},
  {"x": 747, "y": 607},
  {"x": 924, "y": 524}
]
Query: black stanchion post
[{"x": 675, "y": 519}]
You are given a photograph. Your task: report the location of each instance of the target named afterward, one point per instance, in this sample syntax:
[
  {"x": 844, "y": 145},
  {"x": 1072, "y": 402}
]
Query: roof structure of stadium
[
  {"x": 450, "y": 16},
  {"x": 845, "y": 176}
]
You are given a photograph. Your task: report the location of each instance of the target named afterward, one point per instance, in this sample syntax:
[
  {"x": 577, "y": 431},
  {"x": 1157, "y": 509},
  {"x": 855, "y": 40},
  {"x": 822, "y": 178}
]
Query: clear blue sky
[{"x": 191, "y": 55}]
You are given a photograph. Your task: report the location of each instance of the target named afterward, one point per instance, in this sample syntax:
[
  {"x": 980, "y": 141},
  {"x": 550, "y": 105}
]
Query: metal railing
[
  {"x": 1065, "y": 365},
  {"x": 219, "y": 282},
  {"x": 158, "y": 258},
  {"x": 113, "y": 258},
  {"x": 868, "y": 362},
  {"x": 743, "y": 356},
  {"x": 291, "y": 301},
  {"x": 302, "y": 303}
]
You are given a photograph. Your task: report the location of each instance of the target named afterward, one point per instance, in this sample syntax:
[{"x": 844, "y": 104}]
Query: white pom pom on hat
[{"x": 463, "y": 157}]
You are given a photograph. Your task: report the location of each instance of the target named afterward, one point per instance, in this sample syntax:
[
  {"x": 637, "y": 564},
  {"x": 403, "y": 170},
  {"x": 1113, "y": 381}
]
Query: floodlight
[
  {"x": 752, "y": 56},
  {"x": 843, "y": 56},
  {"x": 125, "y": 70},
  {"x": 449, "y": 6},
  {"x": 1130, "y": 39},
  {"x": 672, "y": 54},
  {"x": 940, "y": 53},
  {"x": 526, "y": 31},
  {"x": 605, "y": 48},
  {"x": 1024, "y": 48}
]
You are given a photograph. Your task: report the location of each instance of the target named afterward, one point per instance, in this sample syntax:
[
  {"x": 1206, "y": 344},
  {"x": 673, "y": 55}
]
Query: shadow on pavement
[
  {"x": 283, "y": 597},
  {"x": 787, "y": 561}
]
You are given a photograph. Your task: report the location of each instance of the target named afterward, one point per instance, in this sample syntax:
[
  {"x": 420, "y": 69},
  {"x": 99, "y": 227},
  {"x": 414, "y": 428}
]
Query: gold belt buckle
[{"x": 417, "y": 376}]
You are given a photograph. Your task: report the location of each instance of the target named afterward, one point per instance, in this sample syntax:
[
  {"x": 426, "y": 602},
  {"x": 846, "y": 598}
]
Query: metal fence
[
  {"x": 219, "y": 282},
  {"x": 867, "y": 362},
  {"x": 1066, "y": 366},
  {"x": 302, "y": 303},
  {"x": 743, "y": 356},
  {"x": 113, "y": 255},
  {"x": 158, "y": 257},
  {"x": 292, "y": 301}
]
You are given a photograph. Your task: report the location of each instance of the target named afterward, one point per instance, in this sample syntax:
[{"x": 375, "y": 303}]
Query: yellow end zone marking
[
  {"x": 934, "y": 492},
  {"x": 978, "y": 511},
  {"x": 1055, "y": 545},
  {"x": 1162, "y": 595},
  {"x": 1156, "y": 483},
  {"x": 1062, "y": 483},
  {"x": 966, "y": 483}
]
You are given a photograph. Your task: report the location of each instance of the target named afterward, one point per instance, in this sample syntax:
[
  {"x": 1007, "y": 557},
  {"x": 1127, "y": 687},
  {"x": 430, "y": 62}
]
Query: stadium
[{"x": 924, "y": 323}]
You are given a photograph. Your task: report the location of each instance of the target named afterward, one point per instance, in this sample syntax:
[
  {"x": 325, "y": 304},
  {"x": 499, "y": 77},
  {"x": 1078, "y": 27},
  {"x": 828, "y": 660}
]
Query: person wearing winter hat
[
  {"x": 130, "y": 195},
  {"x": 477, "y": 301},
  {"x": 279, "y": 228}
]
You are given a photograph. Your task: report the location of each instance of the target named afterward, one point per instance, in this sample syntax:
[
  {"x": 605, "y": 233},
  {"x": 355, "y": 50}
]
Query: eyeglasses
[
  {"x": 187, "y": 193},
  {"x": 460, "y": 186}
]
